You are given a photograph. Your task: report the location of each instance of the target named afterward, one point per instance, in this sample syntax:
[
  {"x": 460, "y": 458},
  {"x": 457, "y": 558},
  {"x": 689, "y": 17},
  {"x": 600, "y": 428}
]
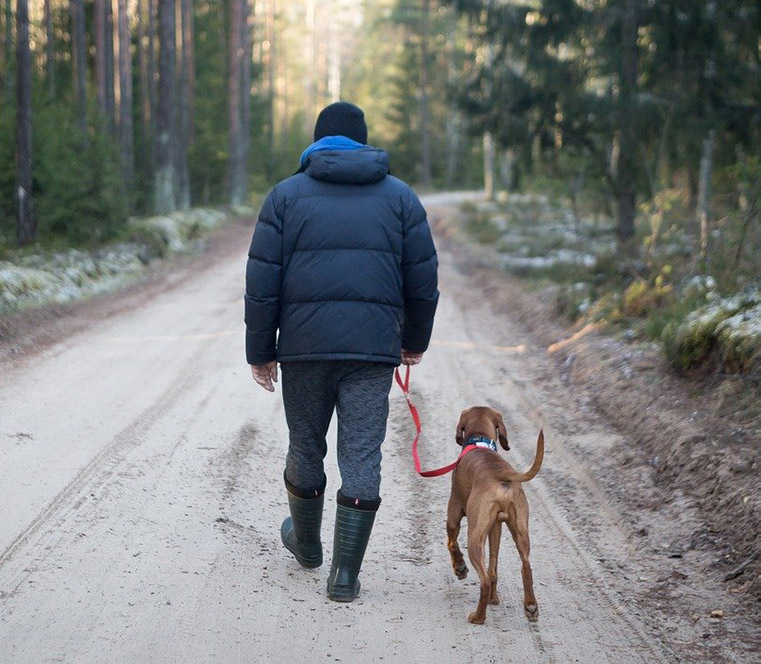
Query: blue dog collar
[{"x": 482, "y": 441}]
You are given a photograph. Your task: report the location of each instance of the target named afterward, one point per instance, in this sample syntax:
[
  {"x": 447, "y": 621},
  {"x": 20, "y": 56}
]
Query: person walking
[{"x": 341, "y": 287}]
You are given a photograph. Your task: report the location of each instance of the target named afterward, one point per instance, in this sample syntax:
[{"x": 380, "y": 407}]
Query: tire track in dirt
[{"x": 101, "y": 469}]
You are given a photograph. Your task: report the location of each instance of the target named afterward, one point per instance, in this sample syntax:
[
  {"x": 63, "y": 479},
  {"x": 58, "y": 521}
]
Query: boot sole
[
  {"x": 344, "y": 595},
  {"x": 304, "y": 562}
]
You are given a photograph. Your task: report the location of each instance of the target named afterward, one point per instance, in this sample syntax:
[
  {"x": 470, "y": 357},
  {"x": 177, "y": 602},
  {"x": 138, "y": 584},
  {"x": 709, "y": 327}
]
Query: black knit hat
[{"x": 341, "y": 119}]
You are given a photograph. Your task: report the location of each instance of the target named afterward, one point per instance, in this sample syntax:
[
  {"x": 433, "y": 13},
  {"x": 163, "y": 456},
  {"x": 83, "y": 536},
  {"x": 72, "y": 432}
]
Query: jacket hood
[{"x": 360, "y": 166}]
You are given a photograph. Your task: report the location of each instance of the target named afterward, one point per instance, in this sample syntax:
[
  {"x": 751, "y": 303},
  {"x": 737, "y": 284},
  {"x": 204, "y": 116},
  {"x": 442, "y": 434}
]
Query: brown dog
[{"x": 487, "y": 490}]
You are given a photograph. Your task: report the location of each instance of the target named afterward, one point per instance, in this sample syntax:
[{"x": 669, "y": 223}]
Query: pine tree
[
  {"x": 79, "y": 49},
  {"x": 166, "y": 176},
  {"x": 26, "y": 224}
]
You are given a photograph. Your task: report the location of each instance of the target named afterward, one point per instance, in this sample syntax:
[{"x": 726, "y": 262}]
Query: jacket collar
[{"x": 333, "y": 143}]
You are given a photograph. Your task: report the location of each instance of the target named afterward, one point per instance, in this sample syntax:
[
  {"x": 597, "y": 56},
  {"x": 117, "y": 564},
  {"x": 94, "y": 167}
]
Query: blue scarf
[{"x": 329, "y": 143}]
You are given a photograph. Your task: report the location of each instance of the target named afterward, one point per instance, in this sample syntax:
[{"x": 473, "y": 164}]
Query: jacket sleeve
[
  {"x": 264, "y": 271},
  {"x": 419, "y": 278}
]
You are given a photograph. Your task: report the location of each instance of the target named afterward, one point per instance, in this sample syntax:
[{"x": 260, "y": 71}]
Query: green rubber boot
[
  {"x": 352, "y": 533},
  {"x": 300, "y": 532}
]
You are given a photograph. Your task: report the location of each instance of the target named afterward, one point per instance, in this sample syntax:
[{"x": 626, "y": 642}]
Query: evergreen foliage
[
  {"x": 83, "y": 189},
  {"x": 633, "y": 93},
  {"x": 620, "y": 100}
]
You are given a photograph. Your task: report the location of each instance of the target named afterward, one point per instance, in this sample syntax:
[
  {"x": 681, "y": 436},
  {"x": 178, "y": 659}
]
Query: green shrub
[
  {"x": 482, "y": 228},
  {"x": 78, "y": 187},
  {"x": 725, "y": 334},
  {"x": 642, "y": 297}
]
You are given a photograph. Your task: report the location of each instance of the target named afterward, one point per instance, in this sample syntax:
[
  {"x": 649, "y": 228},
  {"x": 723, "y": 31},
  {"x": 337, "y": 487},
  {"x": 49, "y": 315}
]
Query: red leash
[{"x": 405, "y": 385}]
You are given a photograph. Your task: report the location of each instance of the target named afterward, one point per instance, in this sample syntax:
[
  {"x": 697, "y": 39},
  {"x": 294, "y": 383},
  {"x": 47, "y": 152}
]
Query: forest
[{"x": 114, "y": 108}]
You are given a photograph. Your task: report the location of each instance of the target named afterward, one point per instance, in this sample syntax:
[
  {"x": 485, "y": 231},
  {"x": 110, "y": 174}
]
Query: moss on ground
[{"x": 31, "y": 279}]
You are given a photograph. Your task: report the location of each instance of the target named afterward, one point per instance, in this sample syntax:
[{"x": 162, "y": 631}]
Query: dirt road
[{"x": 140, "y": 474}]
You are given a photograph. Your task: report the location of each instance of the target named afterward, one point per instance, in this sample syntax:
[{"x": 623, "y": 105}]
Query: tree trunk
[
  {"x": 507, "y": 160},
  {"x": 425, "y": 120},
  {"x": 142, "y": 63},
  {"x": 454, "y": 120},
  {"x": 126, "y": 131},
  {"x": 247, "y": 40},
  {"x": 8, "y": 43},
  {"x": 692, "y": 187},
  {"x": 235, "y": 170},
  {"x": 108, "y": 54},
  {"x": 270, "y": 33},
  {"x": 190, "y": 67},
  {"x": 153, "y": 91},
  {"x": 100, "y": 57},
  {"x": 49, "y": 49},
  {"x": 282, "y": 93},
  {"x": 626, "y": 193},
  {"x": 310, "y": 58},
  {"x": 181, "y": 113},
  {"x": 334, "y": 64},
  {"x": 78, "y": 53},
  {"x": 26, "y": 225},
  {"x": 488, "y": 144},
  {"x": 153, "y": 88},
  {"x": 627, "y": 202},
  {"x": 165, "y": 180},
  {"x": 706, "y": 158},
  {"x": 704, "y": 192}
]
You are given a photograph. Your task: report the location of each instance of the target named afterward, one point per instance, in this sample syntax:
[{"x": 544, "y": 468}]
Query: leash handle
[
  {"x": 436, "y": 472},
  {"x": 405, "y": 384}
]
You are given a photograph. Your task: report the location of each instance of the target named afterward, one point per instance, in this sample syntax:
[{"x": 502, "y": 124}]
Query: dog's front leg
[{"x": 454, "y": 519}]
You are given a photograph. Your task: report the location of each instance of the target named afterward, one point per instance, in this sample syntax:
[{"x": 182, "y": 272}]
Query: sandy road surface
[{"x": 140, "y": 474}]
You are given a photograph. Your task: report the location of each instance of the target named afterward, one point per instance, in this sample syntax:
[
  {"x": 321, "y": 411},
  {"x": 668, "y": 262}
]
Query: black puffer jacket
[{"x": 342, "y": 263}]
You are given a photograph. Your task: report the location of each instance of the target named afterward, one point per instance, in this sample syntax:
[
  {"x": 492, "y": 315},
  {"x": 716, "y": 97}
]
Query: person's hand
[
  {"x": 265, "y": 374},
  {"x": 409, "y": 358}
]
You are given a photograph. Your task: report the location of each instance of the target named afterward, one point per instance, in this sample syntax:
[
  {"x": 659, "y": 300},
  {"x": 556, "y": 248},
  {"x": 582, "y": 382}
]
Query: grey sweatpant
[{"x": 358, "y": 392}]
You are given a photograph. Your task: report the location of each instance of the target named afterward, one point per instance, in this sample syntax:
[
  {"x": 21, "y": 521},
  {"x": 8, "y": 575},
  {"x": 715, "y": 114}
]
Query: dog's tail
[{"x": 515, "y": 476}]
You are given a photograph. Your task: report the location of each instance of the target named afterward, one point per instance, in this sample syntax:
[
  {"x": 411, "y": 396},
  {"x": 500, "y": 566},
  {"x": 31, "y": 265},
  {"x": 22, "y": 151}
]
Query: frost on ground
[
  {"x": 530, "y": 234},
  {"x": 727, "y": 331},
  {"x": 538, "y": 238},
  {"x": 63, "y": 276}
]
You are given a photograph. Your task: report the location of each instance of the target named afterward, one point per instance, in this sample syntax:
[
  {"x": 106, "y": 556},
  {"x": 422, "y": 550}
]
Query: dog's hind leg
[
  {"x": 518, "y": 524},
  {"x": 454, "y": 519},
  {"x": 495, "y": 534},
  {"x": 478, "y": 526}
]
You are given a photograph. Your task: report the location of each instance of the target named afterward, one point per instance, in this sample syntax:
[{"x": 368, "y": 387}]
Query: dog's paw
[
  {"x": 532, "y": 612},
  {"x": 461, "y": 571},
  {"x": 476, "y": 619},
  {"x": 494, "y": 599}
]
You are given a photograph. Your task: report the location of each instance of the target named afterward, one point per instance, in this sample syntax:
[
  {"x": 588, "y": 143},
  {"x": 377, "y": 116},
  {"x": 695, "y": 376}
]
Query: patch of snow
[{"x": 72, "y": 274}]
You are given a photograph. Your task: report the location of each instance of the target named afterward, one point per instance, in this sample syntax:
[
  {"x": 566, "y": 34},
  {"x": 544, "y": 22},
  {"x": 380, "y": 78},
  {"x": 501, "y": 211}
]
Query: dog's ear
[
  {"x": 499, "y": 423},
  {"x": 459, "y": 434}
]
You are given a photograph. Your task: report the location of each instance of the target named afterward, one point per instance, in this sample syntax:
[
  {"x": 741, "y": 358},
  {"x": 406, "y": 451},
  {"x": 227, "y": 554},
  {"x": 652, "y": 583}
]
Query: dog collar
[{"x": 482, "y": 441}]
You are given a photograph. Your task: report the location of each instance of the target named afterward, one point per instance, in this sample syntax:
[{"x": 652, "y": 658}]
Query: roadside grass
[
  {"x": 53, "y": 270},
  {"x": 704, "y": 312}
]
